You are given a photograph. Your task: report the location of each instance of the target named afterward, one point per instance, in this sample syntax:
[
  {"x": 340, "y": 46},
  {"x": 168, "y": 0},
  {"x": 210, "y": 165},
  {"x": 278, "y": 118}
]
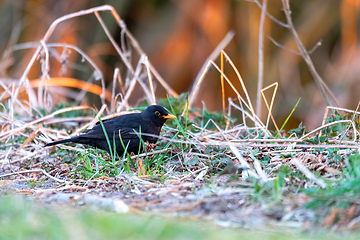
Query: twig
[
  {"x": 318, "y": 44},
  {"x": 313, "y": 49},
  {"x": 269, "y": 15},
  {"x": 196, "y": 85},
  {"x": 324, "y": 89},
  {"x": 136, "y": 78},
  {"x": 113, "y": 42},
  {"x": 283, "y": 47}
]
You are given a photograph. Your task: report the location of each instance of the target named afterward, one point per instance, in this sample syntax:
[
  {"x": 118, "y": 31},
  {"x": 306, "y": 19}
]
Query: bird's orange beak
[{"x": 169, "y": 116}]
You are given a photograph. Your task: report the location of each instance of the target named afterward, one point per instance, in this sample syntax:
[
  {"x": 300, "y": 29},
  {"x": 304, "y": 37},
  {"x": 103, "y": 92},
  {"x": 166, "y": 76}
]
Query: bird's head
[{"x": 157, "y": 114}]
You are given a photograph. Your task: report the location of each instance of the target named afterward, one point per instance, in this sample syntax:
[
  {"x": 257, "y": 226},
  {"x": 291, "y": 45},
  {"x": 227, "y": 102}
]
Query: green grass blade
[{"x": 287, "y": 119}]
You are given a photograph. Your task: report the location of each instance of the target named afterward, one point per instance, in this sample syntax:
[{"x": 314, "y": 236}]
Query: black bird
[{"x": 130, "y": 126}]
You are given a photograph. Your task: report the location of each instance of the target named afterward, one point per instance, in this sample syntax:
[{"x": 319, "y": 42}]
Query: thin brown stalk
[
  {"x": 240, "y": 98},
  {"x": 251, "y": 108},
  {"x": 229, "y": 36},
  {"x": 261, "y": 58},
  {"x": 114, "y": 43},
  {"x": 49, "y": 33},
  {"x": 68, "y": 120},
  {"x": 330, "y": 124},
  {"x": 252, "y": 118},
  {"x": 113, "y": 95},
  {"x": 96, "y": 118},
  {"x": 123, "y": 57},
  {"x": 31, "y": 137},
  {"x": 196, "y": 87},
  {"x": 12, "y": 131},
  {"x": 222, "y": 82},
  {"x": 324, "y": 89},
  {"x": 269, "y": 15},
  {"x": 192, "y": 173},
  {"x": 151, "y": 85},
  {"x": 344, "y": 109},
  {"x": 271, "y": 104},
  {"x": 133, "y": 82}
]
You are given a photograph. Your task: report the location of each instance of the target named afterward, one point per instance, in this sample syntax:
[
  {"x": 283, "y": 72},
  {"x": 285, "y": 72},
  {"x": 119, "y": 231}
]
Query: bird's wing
[
  {"x": 128, "y": 120},
  {"x": 126, "y": 124},
  {"x": 98, "y": 133}
]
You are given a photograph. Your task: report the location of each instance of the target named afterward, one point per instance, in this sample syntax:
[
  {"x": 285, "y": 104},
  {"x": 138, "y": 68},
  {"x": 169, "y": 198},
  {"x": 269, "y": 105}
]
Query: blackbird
[{"x": 146, "y": 124}]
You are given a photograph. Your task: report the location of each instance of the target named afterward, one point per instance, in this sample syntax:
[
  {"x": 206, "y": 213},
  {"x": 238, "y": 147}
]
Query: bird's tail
[{"x": 58, "y": 142}]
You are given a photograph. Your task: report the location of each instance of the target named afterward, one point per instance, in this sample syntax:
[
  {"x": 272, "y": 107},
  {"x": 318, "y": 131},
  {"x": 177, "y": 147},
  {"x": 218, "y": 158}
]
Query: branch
[{"x": 324, "y": 89}]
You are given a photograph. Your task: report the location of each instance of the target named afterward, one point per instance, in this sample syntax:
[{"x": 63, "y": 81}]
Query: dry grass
[{"x": 246, "y": 144}]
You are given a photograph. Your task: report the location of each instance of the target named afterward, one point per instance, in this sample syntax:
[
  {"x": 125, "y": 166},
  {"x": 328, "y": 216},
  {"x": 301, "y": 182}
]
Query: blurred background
[{"x": 179, "y": 35}]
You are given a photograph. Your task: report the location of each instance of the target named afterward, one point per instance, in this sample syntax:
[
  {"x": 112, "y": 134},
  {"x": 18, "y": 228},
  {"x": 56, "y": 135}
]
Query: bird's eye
[{"x": 157, "y": 113}]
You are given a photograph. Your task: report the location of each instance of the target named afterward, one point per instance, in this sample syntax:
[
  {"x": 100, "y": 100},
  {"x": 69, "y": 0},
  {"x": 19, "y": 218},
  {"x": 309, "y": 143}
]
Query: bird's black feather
[{"x": 124, "y": 131}]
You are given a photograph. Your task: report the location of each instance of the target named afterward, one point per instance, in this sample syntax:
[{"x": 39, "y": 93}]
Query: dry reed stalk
[
  {"x": 31, "y": 137},
  {"x": 248, "y": 171},
  {"x": 229, "y": 36},
  {"x": 140, "y": 167},
  {"x": 222, "y": 82},
  {"x": 356, "y": 132},
  {"x": 261, "y": 58},
  {"x": 258, "y": 124},
  {"x": 96, "y": 118},
  {"x": 16, "y": 130},
  {"x": 331, "y": 124},
  {"x": 136, "y": 46},
  {"x": 113, "y": 96},
  {"x": 151, "y": 85},
  {"x": 269, "y": 108},
  {"x": 49, "y": 33},
  {"x": 43, "y": 47}
]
